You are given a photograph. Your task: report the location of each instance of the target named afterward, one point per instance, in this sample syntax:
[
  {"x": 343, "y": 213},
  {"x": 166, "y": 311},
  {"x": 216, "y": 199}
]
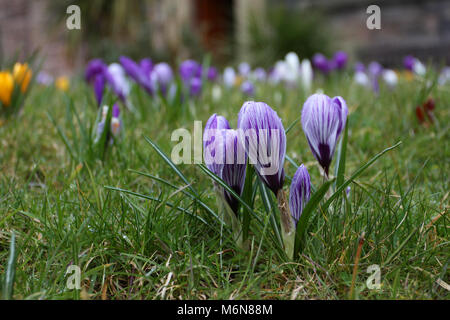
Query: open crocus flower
[
  {"x": 263, "y": 136},
  {"x": 135, "y": 72},
  {"x": 6, "y": 87},
  {"x": 22, "y": 75},
  {"x": 323, "y": 119},
  {"x": 300, "y": 192}
]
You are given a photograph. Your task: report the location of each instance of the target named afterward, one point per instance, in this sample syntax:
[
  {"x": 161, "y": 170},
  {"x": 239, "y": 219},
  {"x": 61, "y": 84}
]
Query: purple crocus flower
[
  {"x": 116, "y": 123},
  {"x": 162, "y": 76},
  {"x": 146, "y": 65},
  {"x": 212, "y": 138},
  {"x": 135, "y": 72},
  {"x": 99, "y": 86},
  {"x": 94, "y": 68},
  {"x": 375, "y": 70},
  {"x": 195, "y": 86},
  {"x": 244, "y": 69},
  {"x": 259, "y": 74},
  {"x": 263, "y": 136},
  {"x": 409, "y": 62},
  {"x": 190, "y": 69},
  {"x": 233, "y": 171},
  {"x": 212, "y": 74},
  {"x": 319, "y": 61},
  {"x": 359, "y": 67},
  {"x": 323, "y": 120},
  {"x": 248, "y": 88},
  {"x": 340, "y": 59},
  {"x": 300, "y": 192}
]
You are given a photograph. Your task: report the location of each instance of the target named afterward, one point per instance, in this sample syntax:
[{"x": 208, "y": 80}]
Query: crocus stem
[
  {"x": 229, "y": 217},
  {"x": 287, "y": 224}
]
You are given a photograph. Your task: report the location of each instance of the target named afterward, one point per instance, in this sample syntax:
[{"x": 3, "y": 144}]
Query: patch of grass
[{"x": 158, "y": 241}]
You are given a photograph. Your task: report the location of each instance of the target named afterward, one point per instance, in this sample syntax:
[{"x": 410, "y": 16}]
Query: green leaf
[
  {"x": 8, "y": 286},
  {"x": 356, "y": 174},
  {"x": 342, "y": 159},
  {"x": 171, "y": 164},
  {"x": 247, "y": 195},
  {"x": 306, "y": 215}
]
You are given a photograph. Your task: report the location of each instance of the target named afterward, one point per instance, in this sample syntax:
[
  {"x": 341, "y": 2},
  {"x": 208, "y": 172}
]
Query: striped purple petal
[
  {"x": 262, "y": 133},
  {"x": 300, "y": 192},
  {"x": 213, "y": 145},
  {"x": 323, "y": 120}
]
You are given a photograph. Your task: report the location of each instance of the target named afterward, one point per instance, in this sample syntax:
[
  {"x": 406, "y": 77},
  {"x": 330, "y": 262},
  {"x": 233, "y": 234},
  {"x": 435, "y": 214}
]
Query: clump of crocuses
[
  {"x": 14, "y": 86},
  {"x": 260, "y": 140}
]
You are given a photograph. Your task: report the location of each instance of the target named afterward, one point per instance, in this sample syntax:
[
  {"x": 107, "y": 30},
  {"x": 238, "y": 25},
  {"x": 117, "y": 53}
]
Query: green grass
[{"x": 161, "y": 240}]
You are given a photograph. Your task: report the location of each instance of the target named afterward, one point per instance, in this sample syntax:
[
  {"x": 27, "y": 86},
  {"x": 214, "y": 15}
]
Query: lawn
[{"x": 139, "y": 229}]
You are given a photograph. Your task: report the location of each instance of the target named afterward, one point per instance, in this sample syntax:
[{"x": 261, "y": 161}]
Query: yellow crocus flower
[
  {"x": 6, "y": 87},
  {"x": 22, "y": 75},
  {"x": 62, "y": 83}
]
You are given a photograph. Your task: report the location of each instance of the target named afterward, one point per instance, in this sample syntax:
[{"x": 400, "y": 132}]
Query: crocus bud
[
  {"x": 248, "y": 88},
  {"x": 300, "y": 192},
  {"x": 390, "y": 78},
  {"x": 162, "y": 76},
  {"x": 212, "y": 74},
  {"x": 233, "y": 172},
  {"x": 195, "y": 86},
  {"x": 244, "y": 69},
  {"x": 408, "y": 62},
  {"x": 121, "y": 84},
  {"x": 212, "y": 136},
  {"x": 263, "y": 136},
  {"x": 323, "y": 120},
  {"x": 190, "y": 69},
  {"x": 340, "y": 58},
  {"x": 259, "y": 74},
  {"x": 229, "y": 77},
  {"x": 320, "y": 62}
]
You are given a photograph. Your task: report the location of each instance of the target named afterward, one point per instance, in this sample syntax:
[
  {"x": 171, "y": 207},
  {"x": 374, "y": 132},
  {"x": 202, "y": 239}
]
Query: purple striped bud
[
  {"x": 300, "y": 192},
  {"x": 262, "y": 133},
  {"x": 323, "y": 120},
  {"x": 233, "y": 172},
  {"x": 116, "y": 124},
  {"x": 213, "y": 143}
]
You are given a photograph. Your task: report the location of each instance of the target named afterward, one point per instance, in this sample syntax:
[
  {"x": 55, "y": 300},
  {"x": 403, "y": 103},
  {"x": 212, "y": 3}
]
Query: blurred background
[{"x": 257, "y": 31}]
